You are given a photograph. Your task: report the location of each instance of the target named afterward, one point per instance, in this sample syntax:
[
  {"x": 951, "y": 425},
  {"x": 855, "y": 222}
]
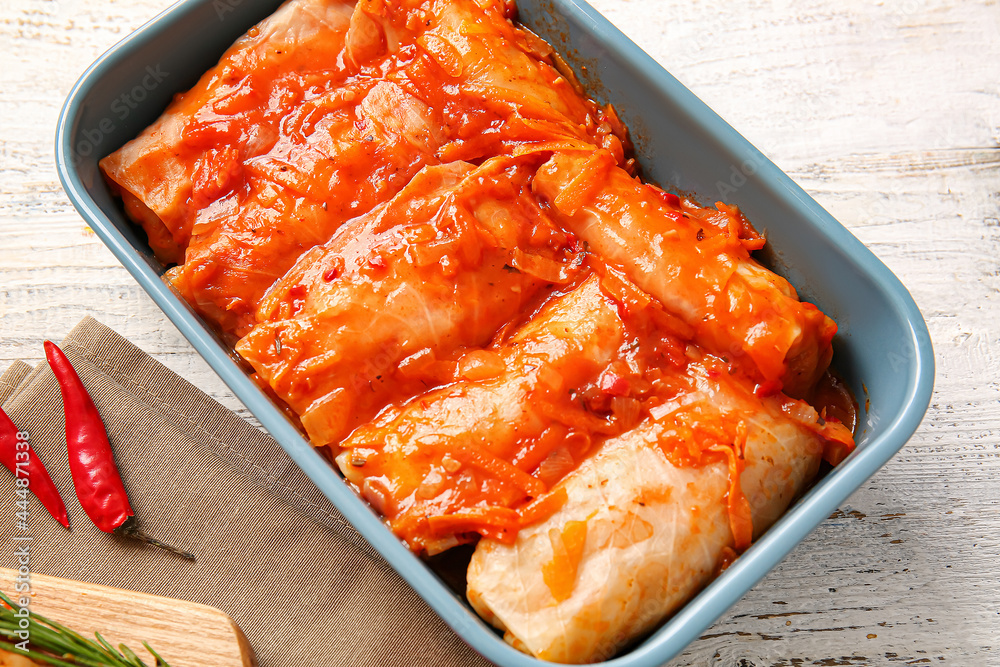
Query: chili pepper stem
[{"x": 131, "y": 530}]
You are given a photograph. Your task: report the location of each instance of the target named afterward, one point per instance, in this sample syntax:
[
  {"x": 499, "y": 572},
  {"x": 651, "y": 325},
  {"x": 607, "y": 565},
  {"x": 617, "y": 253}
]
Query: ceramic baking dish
[{"x": 883, "y": 348}]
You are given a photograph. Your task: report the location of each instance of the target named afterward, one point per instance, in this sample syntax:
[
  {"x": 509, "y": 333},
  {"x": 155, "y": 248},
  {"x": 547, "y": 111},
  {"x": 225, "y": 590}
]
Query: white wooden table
[{"x": 887, "y": 113}]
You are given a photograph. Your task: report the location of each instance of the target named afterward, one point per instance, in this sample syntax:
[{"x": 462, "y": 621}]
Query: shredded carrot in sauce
[
  {"x": 740, "y": 520},
  {"x": 542, "y": 508},
  {"x": 560, "y": 573}
]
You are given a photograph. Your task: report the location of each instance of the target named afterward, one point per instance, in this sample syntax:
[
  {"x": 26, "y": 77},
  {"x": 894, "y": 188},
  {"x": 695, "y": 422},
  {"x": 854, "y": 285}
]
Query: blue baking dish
[{"x": 882, "y": 349}]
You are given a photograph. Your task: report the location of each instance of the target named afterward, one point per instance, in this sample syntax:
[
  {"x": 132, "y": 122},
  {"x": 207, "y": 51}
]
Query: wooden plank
[{"x": 184, "y": 633}]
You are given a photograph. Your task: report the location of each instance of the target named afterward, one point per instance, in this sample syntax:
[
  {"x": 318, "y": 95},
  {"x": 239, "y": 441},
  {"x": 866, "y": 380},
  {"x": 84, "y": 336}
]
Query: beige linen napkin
[{"x": 272, "y": 551}]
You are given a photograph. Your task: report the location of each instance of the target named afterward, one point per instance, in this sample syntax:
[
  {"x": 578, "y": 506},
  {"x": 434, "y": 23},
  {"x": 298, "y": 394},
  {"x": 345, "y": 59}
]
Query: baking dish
[{"x": 883, "y": 349}]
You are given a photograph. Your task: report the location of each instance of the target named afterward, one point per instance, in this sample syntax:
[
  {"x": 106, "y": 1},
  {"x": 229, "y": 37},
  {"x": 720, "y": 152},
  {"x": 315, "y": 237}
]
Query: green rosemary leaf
[
  {"x": 132, "y": 658},
  {"x": 160, "y": 662}
]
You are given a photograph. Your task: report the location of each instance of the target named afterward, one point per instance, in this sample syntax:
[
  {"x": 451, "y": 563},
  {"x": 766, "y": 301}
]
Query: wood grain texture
[
  {"x": 887, "y": 113},
  {"x": 183, "y": 633}
]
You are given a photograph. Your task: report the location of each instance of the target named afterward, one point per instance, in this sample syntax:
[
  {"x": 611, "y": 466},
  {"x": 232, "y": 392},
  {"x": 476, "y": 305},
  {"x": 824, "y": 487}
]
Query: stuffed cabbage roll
[
  {"x": 697, "y": 263},
  {"x": 650, "y": 519},
  {"x": 194, "y": 152},
  {"x": 359, "y": 151}
]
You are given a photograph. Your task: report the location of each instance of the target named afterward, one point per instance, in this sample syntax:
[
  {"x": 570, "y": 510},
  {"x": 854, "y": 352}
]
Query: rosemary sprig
[{"x": 55, "y": 644}]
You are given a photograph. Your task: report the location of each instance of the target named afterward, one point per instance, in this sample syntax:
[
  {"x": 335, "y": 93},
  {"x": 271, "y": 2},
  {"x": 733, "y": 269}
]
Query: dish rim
[{"x": 687, "y": 624}]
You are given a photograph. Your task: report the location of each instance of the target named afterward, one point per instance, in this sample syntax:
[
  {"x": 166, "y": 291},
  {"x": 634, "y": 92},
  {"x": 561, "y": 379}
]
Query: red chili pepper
[
  {"x": 18, "y": 457},
  {"x": 95, "y": 476}
]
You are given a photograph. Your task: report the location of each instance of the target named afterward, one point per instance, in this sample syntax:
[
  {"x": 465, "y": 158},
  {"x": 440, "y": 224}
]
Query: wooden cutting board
[{"x": 185, "y": 633}]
